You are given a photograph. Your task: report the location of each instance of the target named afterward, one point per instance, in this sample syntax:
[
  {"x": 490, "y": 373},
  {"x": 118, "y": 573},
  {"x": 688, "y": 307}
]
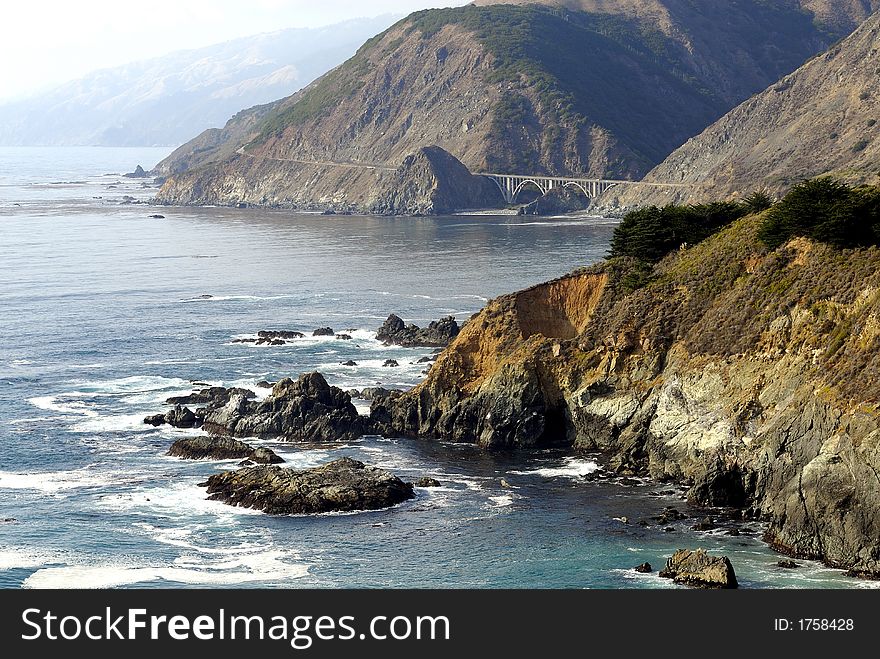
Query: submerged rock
[
  {"x": 788, "y": 565},
  {"x": 391, "y": 363},
  {"x": 279, "y": 334},
  {"x": 221, "y": 448},
  {"x": 644, "y": 568},
  {"x": 307, "y": 409},
  {"x": 324, "y": 331},
  {"x": 438, "y": 333},
  {"x": 699, "y": 569},
  {"x": 427, "y": 481},
  {"x": 341, "y": 486}
]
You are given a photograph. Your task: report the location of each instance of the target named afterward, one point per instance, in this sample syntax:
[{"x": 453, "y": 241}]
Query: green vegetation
[
  {"x": 649, "y": 234},
  {"x": 827, "y": 211}
]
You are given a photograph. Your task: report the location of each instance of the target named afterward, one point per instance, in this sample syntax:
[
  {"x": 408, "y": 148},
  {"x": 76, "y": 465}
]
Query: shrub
[
  {"x": 650, "y": 233},
  {"x": 758, "y": 201},
  {"x": 825, "y": 210}
]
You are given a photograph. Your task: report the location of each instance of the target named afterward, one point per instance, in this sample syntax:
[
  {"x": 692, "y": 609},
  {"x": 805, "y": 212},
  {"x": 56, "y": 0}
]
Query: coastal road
[{"x": 323, "y": 163}]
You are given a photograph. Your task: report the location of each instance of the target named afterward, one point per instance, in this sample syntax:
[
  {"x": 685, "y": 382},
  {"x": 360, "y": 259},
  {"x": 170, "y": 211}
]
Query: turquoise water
[{"x": 104, "y": 316}]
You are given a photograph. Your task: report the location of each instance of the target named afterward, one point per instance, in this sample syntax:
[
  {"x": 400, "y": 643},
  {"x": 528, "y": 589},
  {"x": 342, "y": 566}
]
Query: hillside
[
  {"x": 167, "y": 100},
  {"x": 745, "y": 370},
  {"x": 501, "y": 88},
  {"x": 823, "y": 118}
]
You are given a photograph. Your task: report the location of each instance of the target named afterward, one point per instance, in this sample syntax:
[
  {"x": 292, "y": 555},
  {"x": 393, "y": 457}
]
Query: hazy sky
[{"x": 50, "y": 41}]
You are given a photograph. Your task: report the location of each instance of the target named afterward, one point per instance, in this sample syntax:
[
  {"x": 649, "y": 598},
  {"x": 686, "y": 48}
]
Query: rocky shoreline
[{"x": 578, "y": 363}]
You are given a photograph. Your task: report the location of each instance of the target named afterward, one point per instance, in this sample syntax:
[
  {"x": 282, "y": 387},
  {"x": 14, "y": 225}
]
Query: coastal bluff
[{"x": 749, "y": 373}]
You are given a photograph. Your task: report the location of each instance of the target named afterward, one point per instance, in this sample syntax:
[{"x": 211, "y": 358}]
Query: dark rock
[
  {"x": 156, "y": 216},
  {"x": 211, "y": 397},
  {"x": 8, "y": 520},
  {"x": 438, "y": 333},
  {"x": 155, "y": 420},
  {"x": 279, "y": 334},
  {"x": 644, "y": 568},
  {"x": 699, "y": 569},
  {"x": 182, "y": 417},
  {"x": 788, "y": 565},
  {"x": 221, "y": 448},
  {"x": 324, "y": 331},
  {"x": 427, "y": 481},
  {"x": 307, "y": 409},
  {"x": 732, "y": 532},
  {"x": 705, "y": 524},
  {"x": 350, "y": 362},
  {"x": 668, "y": 529},
  {"x": 137, "y": 173},
  {"x": 557, "y": 202},
  {"x": 342, "y": 485},
  {"x": 391, "y": 363},
  {"x": 265, "y": 384},
  {"x": 344, "y": 337},
  {"x": 425, "y": 360},
  {"x": 669, "y": 514},
  {"x": 372, "y": 393}
]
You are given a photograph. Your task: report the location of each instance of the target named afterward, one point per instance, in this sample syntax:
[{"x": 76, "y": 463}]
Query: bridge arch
[
  {"x": 576, "y": 184},
  {"x": 519, "y": 188}
]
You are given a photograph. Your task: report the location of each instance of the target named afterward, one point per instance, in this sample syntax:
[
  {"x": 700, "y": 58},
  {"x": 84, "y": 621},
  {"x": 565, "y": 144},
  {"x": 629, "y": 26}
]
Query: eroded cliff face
[{"x": 751, "y": 375}]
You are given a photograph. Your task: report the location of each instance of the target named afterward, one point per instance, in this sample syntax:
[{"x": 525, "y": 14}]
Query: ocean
[{"x": 107, "y": 311}]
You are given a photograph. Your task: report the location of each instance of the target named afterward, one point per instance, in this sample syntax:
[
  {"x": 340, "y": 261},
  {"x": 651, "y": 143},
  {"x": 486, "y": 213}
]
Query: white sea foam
[
  {"x": 56, "y": 404},
  {"x": 234, "y": 298},
  {"x": 502, "y": 500},
  {"x": 255, "y": 568},
  {"x": 112, "y": 423},
  {"x": 570, "y": 468},
  {"x": 24, "y": 557},
  {"x": 53, "y": 482}
]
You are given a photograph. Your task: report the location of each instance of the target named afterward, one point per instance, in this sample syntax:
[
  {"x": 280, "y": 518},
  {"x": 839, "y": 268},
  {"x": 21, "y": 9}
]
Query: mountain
[
  {"x": 531, "y": 88},
  {"x": 821, "y": 119},
  {"x": 167, "y": 100},
  {"x": 746, "y": 372}
]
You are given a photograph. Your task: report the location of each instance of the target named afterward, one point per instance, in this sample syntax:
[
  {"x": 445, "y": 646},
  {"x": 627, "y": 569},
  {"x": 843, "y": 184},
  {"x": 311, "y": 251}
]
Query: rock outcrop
[
  {"x": 699, "y": 569},
  {"x": 307, "y": 409},
  {"x": 433, "y": 182},
  {"x": 437, "y": 334},
  {"x": 343, "y": 485},
  {"x": 751, "y": 375},
  {"x": 221, "y": 448},
  {"x": 211, "y": 397}
]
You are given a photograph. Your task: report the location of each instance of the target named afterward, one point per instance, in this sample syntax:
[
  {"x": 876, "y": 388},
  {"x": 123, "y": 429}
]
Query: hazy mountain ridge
[
  {"x": 500, "y": 88},
  {"x": 166, "y": 100}
]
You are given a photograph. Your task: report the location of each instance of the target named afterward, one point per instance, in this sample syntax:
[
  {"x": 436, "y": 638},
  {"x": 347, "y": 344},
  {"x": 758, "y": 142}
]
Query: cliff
[
  {"x": 749, "y": 373},
  {"x": 501, "y": 88},
  {"x": 821, "y": 119},
  {"x": 434, "y": 182}
]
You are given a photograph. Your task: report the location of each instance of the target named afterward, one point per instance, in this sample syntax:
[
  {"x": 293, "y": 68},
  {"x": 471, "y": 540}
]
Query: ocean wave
[
  {"x": 56, "y": 404},
  {"x": 234, "y": 298},
  {"x": 264, "y": 567},
  {"x": 53, "y": 482},
  {"x": 570, "y": 468}
]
